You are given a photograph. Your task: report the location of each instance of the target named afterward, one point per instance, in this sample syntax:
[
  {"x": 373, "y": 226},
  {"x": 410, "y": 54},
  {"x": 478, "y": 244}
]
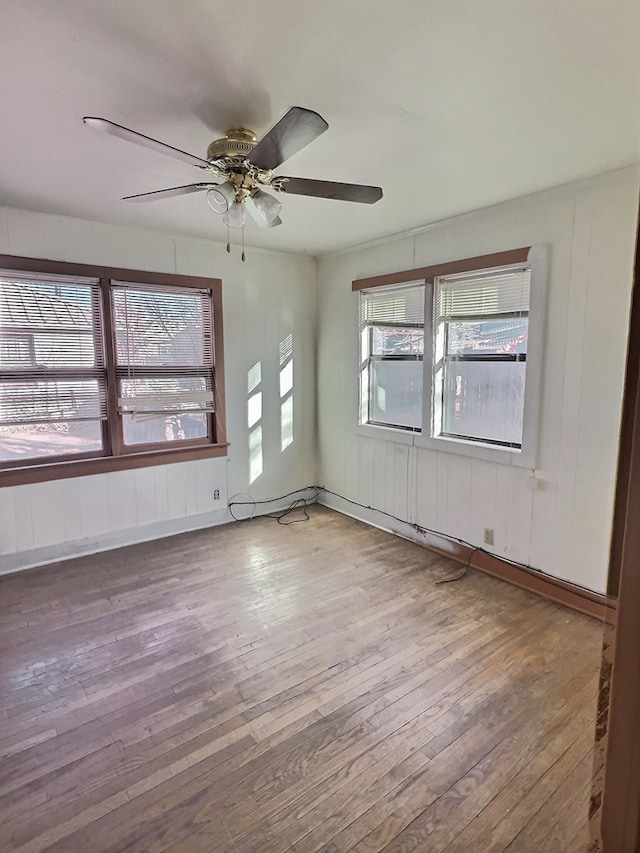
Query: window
[
  {"x": 164, "y": 362},
  {"x": 481, "y": 327},
  {"x": 100, "y": 371},
  {"x": 445, "y": 351},
  {"x": 391, "y": 356}
]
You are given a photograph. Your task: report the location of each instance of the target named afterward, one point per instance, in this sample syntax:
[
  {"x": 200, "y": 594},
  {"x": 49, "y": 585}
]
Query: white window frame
[
  {"x": 524, "y": 457},
  {"x": 361, "y": 404}
]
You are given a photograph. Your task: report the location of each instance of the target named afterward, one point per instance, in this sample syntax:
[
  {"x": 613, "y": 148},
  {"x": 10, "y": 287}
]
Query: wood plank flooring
[{"x": 258, "y": 688}]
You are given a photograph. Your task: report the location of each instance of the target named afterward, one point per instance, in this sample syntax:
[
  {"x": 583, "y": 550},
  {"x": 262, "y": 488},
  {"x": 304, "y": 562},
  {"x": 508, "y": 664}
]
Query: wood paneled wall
[
  {"x": 563, "y": 528},
  {"x": 265, "y": 300}
]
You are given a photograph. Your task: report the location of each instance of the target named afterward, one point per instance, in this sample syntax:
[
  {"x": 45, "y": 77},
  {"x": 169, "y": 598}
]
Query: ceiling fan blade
[
  {"x": 331, "y": 189},
  {"x": 297, "y": 128},
  {"x": 146, "y": 141},
  {"x": 169, "y": 193}
]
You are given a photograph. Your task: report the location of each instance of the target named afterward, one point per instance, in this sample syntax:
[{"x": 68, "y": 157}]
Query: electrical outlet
[
  {"x": 216, "y": 495},
  {"x": 488, "y": 536}
]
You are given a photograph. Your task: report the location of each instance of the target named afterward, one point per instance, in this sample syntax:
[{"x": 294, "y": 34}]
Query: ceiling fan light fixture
[
  {"x": 240, "y": 163},
  {"x": 235, "y": 217},
  {"x": 221, "y": 198},
  {"x": 265, "y": 207}
]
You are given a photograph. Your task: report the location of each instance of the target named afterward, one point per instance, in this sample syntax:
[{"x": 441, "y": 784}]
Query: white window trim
[
  {"x": 526, "y": 457},
  {"x": 380, "y": 431}
]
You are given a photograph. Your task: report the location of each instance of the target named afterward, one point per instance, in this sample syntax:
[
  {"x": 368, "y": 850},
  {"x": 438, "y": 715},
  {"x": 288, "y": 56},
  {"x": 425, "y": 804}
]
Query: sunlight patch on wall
[
  {"x": 286, "y": 392},
  {"x": 255, "y": 454},
  {"x": 254, "y": 377},
  {"x": 254, "y": 409},
  {"x": 254, "y": 418},
  {"x": 286, "y": 423}
]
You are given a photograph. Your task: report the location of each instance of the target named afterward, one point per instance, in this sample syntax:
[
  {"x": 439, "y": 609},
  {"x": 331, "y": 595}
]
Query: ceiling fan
[{"x": 243, "y": 164}]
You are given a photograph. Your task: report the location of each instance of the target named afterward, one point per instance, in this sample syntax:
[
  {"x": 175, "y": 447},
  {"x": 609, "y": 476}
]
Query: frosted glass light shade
[
  {"x": 265, "y": 207},
  {"x": 221, "y": 198},
  {"x": 235, "y": 216}
]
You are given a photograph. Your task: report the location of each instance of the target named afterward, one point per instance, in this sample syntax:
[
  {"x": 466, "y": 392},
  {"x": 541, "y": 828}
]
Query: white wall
[
  {"x": 563, "y": 529},
  {"x": 266, "y": 299}
]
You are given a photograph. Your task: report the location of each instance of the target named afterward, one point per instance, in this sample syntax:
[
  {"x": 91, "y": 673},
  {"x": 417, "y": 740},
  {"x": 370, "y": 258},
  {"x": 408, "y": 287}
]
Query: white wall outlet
[
  {"x": 216, "y": 494},
  {"x": 488, "y": 536}
]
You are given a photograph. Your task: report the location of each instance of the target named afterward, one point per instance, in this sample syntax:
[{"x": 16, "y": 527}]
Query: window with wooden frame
[
  {"x": 454, "y": 378},
  {"x": 104, "y": 369}
]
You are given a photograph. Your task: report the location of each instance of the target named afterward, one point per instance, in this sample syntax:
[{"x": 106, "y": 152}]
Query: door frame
[{"x": 620, "y": 825}]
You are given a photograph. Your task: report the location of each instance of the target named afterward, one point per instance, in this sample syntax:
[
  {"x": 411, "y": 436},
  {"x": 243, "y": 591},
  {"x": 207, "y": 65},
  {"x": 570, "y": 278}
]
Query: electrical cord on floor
[
  {"x": 475, "y": 549},
  {"x": 464, "y": 572},
  {"x": 298, "y": 503},
  {"x": 417, "y": 527}
]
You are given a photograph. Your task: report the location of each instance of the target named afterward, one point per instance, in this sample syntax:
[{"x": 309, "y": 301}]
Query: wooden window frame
[
  {"x": 115, "y": 456},
  {"x": 535, "y": 257}
]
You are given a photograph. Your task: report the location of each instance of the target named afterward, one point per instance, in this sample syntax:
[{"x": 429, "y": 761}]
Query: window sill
[
  {"x": 399, "y": 436},
  {"x": 477, "y": 450},
  {"x": 104, "y": 464}
]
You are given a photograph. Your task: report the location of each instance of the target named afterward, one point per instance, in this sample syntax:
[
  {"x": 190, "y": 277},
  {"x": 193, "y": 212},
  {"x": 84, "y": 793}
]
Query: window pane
[
  {"x": 396, "y": 393},
  {"x": 170, "y": 427},
  {"x": 16, "y": 352},
  {"x": 484, "y": 400},
  {"x": 159, "y": 393},
  {"x": 53, "y": 400},
  {"x": 161, "y": 328},
  {"x": 34, "y": 440},
  {"x": 395, "y": 341},
  {"x": 492, "y": 337},
  {"x": 46, "y": 325},
  {"x": 179, "y": 395}
]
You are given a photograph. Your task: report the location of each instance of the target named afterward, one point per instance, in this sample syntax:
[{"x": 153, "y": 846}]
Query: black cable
[
  {"x": 474, "y": 548},
  {"x": 318, "y": 489},
  {"x": 301, "y": 503},
  {"x": 417, "y": 527},
  {"x": 282, "y": 514},
  {"x": 464, "y": 572}
]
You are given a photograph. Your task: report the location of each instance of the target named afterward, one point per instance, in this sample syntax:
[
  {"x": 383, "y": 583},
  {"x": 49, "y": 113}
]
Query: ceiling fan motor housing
[{"x": 239, "y": 142}]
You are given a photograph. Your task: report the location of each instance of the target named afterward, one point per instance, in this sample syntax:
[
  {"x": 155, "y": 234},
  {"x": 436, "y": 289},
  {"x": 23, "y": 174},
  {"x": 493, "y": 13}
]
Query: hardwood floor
[{"x": 258, "y": 688}]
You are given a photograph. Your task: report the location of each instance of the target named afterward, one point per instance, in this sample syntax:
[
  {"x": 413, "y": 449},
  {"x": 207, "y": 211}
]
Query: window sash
[
  {"x": 147, "y": 330},
  {"x": 401, "y": 307},
  {"x": 103, "y": 373},
  {"x": 477, "y": 297},
  {"x": 59, "y": 318}
]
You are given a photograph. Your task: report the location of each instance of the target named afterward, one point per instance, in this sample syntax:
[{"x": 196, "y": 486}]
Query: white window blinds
[
  {"x": 483, "y": 293},
  {"x": 396, "y": 306},
  {"x": 163, "y": 349},
  {"x": 51, "y": 355}
]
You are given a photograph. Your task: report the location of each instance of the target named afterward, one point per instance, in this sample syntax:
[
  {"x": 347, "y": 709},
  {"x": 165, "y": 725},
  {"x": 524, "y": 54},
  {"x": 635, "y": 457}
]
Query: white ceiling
[{"x": 449, "y": 105}]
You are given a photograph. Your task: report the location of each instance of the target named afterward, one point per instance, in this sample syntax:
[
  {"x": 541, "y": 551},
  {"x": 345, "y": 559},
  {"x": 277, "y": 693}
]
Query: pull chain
[
  {"x": 243, "y": 254},
  {"x": 228, "y": 240}
]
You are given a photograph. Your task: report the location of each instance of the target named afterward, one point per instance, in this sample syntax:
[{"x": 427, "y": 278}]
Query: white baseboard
[
  {"x": 10, "y": 563},
  {"x": 371, "y": 517}
]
